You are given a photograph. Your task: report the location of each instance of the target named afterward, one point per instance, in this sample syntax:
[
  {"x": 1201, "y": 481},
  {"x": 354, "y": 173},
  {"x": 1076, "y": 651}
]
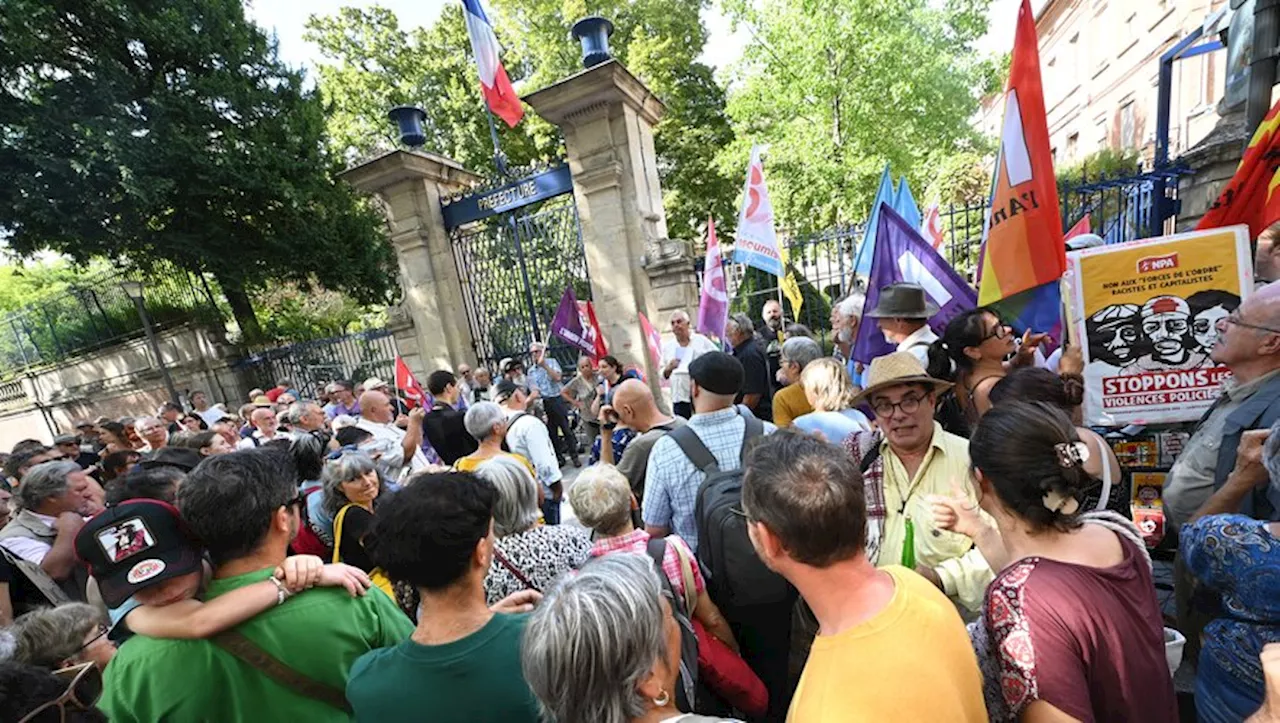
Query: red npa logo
[{"x": 1158, "y": 263}]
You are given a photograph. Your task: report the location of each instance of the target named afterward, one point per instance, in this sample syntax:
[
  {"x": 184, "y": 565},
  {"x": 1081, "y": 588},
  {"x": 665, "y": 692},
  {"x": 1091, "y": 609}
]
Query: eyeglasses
[
  {"x": 83, "y": 690},
  {"x": 1001, "y": 331},
  {"x": 102, "y": 633},
  {"x": 908, "y": 405},
  {"x": 740, "y": 512},
  {"x": 1234, "y": 319}
]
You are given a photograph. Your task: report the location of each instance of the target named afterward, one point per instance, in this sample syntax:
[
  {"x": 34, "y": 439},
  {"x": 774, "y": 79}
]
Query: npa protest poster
[{"x": 1146, "y": 314}]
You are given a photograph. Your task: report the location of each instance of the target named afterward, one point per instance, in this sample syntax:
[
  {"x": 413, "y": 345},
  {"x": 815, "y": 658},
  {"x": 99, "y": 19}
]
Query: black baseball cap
[
  {"x": 134, "y": 545},
  {"x": 179, "y": 457},
  {"x": 505, "y": 390},
  {"x": 717, "y": 372}
]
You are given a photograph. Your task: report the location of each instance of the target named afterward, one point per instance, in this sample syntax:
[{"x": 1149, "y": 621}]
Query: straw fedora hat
[{"x": 890, "y": 370}]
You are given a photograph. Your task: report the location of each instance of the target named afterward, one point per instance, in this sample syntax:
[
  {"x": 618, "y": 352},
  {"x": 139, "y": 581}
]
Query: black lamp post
[
  {"x": 408, "y": 118},
  {"x": 134, "y": 291},
  {"x": 593, "y": 32}
]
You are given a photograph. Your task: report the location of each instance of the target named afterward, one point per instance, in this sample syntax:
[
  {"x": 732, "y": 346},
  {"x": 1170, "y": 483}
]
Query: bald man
[
  {"x": 401, "y": 450},
  {"x": 265, "y": 428},
  {"x": 634, "y": 407}
]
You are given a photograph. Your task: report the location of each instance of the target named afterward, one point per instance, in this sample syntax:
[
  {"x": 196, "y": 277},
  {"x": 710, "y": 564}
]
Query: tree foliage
[
  {"x": 146, "y": 131},
  {"x": 374, "y": 64},
  {"x": 838, "y": 88}
]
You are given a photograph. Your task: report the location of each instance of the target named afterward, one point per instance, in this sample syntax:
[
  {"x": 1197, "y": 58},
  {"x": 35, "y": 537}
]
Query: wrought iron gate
[{"x": 517, "y": 247}]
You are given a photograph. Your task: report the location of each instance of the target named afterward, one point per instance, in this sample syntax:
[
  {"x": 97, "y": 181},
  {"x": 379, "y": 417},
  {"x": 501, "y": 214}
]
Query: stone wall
[
  {"x": 1214, "y": 162},
  {"x": 121, "y": 380}
]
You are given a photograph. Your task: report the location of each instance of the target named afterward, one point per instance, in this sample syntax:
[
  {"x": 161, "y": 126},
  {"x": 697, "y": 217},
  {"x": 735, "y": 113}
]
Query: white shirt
[
  {"x": 29, "y": 549},
  {"x": 529, "y": 438},
  {"x": 389, "y": 439},
  {"x": 698, "y": 345},
  {"x": 212, "y": 415},
  {"x": 918, "y": 344},
  {"x": 257, "y": 439}
]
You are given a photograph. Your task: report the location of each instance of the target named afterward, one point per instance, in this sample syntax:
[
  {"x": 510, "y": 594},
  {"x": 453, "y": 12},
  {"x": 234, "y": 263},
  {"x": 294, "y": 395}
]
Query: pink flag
[
  {"x": 1082, "y": 227},
  {"x": 653, "y": 340},
  {"x": 932, "y": 230},
  {"x": 713, "y": 309}
]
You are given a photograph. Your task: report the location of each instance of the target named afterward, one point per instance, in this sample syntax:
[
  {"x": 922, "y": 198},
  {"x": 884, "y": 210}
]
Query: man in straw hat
[
  {"x": 902, "y": 312},
  {"x": 908, "y": 461}
]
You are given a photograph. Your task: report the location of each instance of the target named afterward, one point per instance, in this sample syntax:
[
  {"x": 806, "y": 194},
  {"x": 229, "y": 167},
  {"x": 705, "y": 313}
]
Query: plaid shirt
[
  {"x": 637, "y": 541},
  {"x": 860, "y": 444},
  {"x": 671, "y": 481}
]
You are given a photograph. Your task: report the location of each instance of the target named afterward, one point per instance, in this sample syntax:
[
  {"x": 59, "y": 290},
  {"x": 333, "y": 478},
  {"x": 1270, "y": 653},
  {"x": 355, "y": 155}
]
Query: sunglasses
[{"x": 84, "y": 686}]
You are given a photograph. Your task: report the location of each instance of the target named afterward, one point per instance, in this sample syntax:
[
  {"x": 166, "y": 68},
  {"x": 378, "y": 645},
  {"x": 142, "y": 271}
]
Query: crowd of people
[{"x": 934, "y": 536}]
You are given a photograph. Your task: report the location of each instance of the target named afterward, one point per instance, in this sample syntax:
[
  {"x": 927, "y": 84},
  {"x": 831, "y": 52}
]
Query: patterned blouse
[
  {"x": 637, "y": 541},
  {"x": 1238, "y": 559},
  {"x": 542, "y": 554},
  {"x": 622, "y": 436},
  {"x": 1088, "y": 641}
]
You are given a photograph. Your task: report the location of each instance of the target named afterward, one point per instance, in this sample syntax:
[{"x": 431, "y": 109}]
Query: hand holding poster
[{"x": 1146, "y": 314}]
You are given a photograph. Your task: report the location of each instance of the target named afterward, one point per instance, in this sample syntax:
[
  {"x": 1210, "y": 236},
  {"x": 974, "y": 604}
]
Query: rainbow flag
[{"x": 1022, "y": 245}]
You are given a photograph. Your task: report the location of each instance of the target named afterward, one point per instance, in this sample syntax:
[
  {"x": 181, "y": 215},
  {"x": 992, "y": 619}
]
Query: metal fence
[
  {"x": 1120, "y": 209},
  {"x": 309, "y": 365},
  {"x": 97, "y": 312}
]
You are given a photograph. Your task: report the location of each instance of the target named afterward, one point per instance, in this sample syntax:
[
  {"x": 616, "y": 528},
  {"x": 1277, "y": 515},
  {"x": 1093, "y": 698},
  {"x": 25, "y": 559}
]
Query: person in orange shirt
[{"x": 890, "y": 645}]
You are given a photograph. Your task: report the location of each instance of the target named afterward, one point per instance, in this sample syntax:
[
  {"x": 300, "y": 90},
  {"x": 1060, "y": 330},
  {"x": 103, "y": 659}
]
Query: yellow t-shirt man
[{"x": 911, "y": 662}]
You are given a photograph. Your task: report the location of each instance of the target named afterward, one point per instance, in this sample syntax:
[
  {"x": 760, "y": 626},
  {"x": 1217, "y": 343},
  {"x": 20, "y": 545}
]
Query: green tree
[
  {"x": 145, "y": 132},
  {"x": 374, "y": 64},
  {"x": 837, "y": 88}
]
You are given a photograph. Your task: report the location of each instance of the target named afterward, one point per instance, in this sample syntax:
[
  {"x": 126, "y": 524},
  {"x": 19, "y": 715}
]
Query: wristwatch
[{"x": 610, "y": 426}]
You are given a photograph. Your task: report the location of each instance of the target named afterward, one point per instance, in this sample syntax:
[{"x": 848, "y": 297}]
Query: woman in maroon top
[{"x": 1072, "y": 620}]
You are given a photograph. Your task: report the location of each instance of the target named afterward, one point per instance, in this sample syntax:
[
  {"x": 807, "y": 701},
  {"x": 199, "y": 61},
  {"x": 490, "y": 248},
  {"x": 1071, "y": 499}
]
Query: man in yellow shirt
[
  {"x": 905, "y": 463},
  {"x": 790, "y": 402},
  {"x": 890, "y": 646}
]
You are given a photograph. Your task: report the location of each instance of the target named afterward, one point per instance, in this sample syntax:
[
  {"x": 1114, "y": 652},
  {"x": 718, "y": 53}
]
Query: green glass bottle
[{"x": 909, "y": 546}]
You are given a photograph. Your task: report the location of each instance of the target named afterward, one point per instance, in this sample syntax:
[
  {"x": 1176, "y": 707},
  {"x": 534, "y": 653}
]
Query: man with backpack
[
  {"x": 693, "y": 487},
  {"x": 634, "y": 406}
]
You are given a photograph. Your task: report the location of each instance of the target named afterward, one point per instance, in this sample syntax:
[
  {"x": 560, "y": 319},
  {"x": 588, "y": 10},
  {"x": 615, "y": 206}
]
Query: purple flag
[
  {"x": 567, "y": 323},
  {"x": 901, "y": 254},
  {"x": 713, "y": 308}
]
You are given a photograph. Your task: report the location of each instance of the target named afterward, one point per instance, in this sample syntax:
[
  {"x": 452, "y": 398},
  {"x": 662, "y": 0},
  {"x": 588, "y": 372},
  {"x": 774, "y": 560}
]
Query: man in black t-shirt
[
  {"x": 443, "y": 425},
  {"x": 756, "y": 392}
]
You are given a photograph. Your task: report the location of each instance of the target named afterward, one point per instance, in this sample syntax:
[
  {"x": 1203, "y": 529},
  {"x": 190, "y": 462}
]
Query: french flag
[{"x": 495, "y": 84}]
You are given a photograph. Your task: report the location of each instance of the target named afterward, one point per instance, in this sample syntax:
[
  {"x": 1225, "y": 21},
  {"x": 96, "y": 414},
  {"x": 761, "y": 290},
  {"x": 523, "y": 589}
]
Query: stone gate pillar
[
  {"x": 607, "y": 117},
  {"x": 430, "y": 324}
]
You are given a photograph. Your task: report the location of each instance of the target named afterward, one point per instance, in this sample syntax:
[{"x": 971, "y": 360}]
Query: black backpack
[
  {"x": 686, "y": 690},
  {"x": 511, "y": 423},
  {"x": 735, "y": 575}
]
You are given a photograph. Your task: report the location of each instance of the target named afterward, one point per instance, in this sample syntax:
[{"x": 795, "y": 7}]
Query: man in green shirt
[
  {"x": 245, "y": 507},
  {"x": 462, "y": 664}
]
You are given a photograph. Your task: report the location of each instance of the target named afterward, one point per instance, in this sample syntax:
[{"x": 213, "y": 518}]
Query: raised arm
[{"x": 193, "y": 619}]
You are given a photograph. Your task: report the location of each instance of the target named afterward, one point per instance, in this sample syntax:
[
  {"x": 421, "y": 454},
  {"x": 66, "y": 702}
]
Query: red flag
[
  {"x": 1022, "y": 241},
  {"x": 494, "y": 83},
  {"x": 1082, "y": 226},
  {"x": 932, "y": 230},
  {"x": 653, "y": 339},
  {"x": 408, "y": 384},
  {"x": 601, "y": 348},
  {"x": 1250, "y": 195}
]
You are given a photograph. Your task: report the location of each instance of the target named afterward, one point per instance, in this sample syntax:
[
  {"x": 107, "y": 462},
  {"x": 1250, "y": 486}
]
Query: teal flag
[
  {"x": 885, "y": 195},
  {"x": 905, "y": 204}
]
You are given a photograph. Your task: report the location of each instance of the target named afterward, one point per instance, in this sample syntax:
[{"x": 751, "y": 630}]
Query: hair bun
[{"x": 1073, "y": 389}]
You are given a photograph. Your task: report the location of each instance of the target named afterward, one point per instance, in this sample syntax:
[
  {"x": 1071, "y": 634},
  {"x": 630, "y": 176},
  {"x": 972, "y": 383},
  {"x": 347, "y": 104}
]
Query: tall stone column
[
  {"x": 607, "y": 117},
  {"x": 430, "y": 324}
]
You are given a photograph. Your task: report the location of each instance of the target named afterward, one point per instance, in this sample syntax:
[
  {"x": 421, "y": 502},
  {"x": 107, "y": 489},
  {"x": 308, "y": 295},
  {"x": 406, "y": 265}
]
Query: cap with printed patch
[{"x": 134, "y": 545}]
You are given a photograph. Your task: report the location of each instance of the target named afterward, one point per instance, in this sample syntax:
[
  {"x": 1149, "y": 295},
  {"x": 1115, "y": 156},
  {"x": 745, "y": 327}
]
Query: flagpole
[{"x": 499, "y": 158}]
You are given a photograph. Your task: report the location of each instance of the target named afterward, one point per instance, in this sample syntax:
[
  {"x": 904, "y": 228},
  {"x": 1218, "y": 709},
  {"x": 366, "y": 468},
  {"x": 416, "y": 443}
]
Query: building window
[
  {"x": 1073, "y": 146},
  {"x": 1128, "y": 126}
]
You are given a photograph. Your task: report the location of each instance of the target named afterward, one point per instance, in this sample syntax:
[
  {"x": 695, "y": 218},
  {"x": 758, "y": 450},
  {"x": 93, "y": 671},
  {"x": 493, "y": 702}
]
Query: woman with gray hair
[
  {"x": 526, "y": 555},
  {"x": 352, "y": 488},
  {"x": 60, "y": 637},
  {"x": 602, "y": 499},
  {"x": 604, "y": 647},
  {"x": 487, "y": 422}
]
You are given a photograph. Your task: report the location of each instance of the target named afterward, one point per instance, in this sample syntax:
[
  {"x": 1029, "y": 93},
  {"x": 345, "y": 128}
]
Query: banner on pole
[
  {"x": 408, "y": 385},
  {"x": 1146, "y": 313},
  {"x": 572, "y": 325},
  {"x": 653, "y": 340},
  {"x": 757, "y": 240},
  {"x": 713, "y": 307},
  {"x": 902, "y": 255}
]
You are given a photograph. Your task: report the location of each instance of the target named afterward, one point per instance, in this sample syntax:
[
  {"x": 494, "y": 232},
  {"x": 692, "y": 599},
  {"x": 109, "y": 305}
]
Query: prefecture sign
[
  {"x": 1146, "y": 315},
  {"x": 524, "y": 192}
]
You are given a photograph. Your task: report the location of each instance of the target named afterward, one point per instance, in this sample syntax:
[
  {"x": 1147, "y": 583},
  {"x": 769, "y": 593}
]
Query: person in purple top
[{"x": 342, "y": 394}]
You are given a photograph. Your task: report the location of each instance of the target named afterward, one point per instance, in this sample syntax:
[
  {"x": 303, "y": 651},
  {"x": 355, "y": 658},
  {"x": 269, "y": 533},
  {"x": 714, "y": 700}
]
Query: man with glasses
[
  {"x": 907, "y": 461},
  {"x": 680, "y": 352}
]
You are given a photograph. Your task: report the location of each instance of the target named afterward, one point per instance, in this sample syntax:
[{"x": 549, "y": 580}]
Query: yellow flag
[{"x": 789, "y": 285}]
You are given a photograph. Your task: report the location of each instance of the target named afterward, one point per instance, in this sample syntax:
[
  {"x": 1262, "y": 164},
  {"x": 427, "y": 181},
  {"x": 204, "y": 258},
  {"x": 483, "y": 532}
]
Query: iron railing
[
  {"x": 310, "y": 365},
  {"x": 514, "y": 269},
  {"x": 96, "y": 312}
]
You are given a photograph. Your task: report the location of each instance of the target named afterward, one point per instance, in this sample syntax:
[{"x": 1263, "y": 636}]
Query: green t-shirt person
[
  {"x": 473, "y": 680},
  {"x": 318, "y": 633}
]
